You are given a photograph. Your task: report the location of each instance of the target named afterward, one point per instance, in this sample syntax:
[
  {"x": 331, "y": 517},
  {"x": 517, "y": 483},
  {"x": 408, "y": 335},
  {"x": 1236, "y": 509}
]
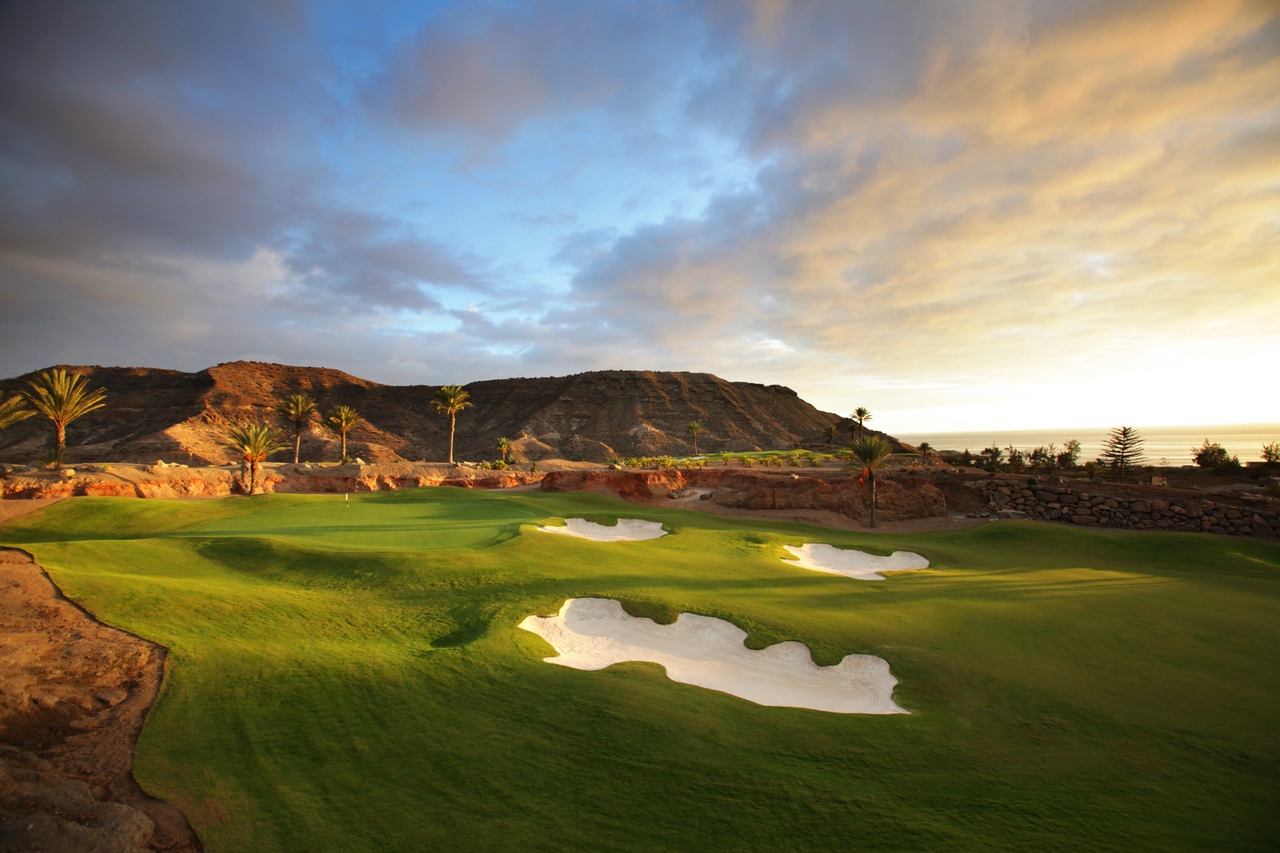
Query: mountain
[{"x": 182, "y": 417}]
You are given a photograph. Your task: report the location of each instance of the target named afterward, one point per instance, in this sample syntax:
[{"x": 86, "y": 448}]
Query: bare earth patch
[
  {"x": 74, "y": 694},
  {"x": 11, "y": 509},
  {"x": 593, "y": 633},
  {"x": 852, "y": 563}
]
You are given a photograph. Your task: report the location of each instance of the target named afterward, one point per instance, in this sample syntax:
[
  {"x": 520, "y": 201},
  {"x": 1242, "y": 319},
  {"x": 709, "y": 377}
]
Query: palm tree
[
  {"x": 504, "y": 447},
  {"x": 693, "y": 428},
  {"x": 12, "y": 411},
  {"x": 342, "y": 420},
  {"x": 830, "y": 432},
  {"x": 62, "y": 397},
  {"x": 254, "y": 443},
  {"x": 860, "y": 415},
  {"x": 298, "y": 408},
  {"x": 927, "y": 451},
  {"x": 450, "y": 400},
  {"x": 869, "y": 454}
]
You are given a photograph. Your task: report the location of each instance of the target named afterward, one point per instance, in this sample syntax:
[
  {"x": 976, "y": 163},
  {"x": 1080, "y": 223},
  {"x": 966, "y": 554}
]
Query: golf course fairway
[{"x": 348, "y": 675}]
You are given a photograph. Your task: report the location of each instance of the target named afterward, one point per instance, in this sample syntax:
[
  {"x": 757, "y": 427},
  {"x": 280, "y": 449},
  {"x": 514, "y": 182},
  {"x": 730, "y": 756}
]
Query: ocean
[{"x": 1164, "y": 446}]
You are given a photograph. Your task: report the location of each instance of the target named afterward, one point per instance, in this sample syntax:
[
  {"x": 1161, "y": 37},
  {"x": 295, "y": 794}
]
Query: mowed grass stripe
[{"x": 366, "y": 688}]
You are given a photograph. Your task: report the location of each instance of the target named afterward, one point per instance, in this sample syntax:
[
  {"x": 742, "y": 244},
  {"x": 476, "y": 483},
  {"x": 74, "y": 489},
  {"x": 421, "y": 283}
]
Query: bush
[
  {"x": 1211, "y": 455},
  {"x": 1070, "y": 455},
  {"x": 1271, "y": 452}
]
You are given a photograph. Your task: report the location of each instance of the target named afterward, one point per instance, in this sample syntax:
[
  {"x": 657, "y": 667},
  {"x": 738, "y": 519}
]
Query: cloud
[
  {"x": 1033, "y": 195},
  {"x": 487, "y": 69},
  {"x": 915, "y": 200},
  {"x": 369, "y": 262},
  {"x": 126, "y": 123}
]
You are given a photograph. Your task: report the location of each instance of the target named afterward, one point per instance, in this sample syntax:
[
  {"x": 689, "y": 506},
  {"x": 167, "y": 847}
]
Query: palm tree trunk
[
  {"x": 344, "y": 448},
  {"x": 253, "y": 475},
  {"x": 60, "y": 444},
  {"x": 453, "y": 419},
  {"x": 297, "y": 443},
  {"x": 873, "y": 498}
]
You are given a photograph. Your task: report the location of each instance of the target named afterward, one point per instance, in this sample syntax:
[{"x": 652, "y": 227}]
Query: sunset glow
[{"x": 976, "y": 215}]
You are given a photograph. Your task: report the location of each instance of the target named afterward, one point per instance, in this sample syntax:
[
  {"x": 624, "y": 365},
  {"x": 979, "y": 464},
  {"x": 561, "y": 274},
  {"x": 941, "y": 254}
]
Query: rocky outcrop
[
  {"x": 73, "y": 697},
  {"x": 183, "y": 482},
  {"x": 40, "y": 809},
  {"x": 166, "y": 414},
  {"x": 633, "y": 485},
  {"x": 1105, "y": 505}
]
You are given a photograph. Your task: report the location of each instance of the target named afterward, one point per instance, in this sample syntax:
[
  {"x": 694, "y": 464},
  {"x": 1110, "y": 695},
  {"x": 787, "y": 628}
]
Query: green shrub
[{"x": 1212, "y": 455}]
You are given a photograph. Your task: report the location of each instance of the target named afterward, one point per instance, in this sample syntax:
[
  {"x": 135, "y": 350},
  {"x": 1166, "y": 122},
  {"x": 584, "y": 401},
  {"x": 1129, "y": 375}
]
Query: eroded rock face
[
  {"x": 167, "y": 414},
  {"x": 627, "y": 484},
  {"x": 182, "y": 482}
]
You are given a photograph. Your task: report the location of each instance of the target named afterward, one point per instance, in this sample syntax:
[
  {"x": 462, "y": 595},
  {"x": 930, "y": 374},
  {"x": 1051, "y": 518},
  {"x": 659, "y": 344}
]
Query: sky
[{"x": 960, "y": 215}]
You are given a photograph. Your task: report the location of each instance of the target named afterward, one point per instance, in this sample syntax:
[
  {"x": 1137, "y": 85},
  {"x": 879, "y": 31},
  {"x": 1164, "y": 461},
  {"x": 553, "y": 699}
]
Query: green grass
[{"x": 348, "y": 675}]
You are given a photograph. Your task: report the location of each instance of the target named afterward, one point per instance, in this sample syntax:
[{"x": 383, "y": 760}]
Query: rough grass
[{"x": 347, "y": 675}]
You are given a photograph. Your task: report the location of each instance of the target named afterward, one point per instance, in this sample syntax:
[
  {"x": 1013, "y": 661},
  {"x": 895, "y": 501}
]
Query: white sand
[
  {"x": 853, "y": 564},
  {"x": 593, "y": 633},
  {"x": 627, "y": 530}
]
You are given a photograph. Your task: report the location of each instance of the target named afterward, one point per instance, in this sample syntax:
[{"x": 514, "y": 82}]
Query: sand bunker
[
  {"x": 627, "y": 530},
  {"x": 853, "y": 564},
  {"x": 593, "y": 633}
]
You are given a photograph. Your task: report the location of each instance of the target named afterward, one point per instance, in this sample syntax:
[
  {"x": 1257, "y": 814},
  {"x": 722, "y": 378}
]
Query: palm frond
[
  {"x": 63, "y": 397},
  {"x": 450, "y": 400},
  {"x": 13, "y": 410}
]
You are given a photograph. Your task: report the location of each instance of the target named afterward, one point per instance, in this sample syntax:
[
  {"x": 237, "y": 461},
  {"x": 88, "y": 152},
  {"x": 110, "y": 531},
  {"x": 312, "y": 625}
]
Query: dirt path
[
  {"x": 815, "y": 517},
  {"x": 74, "y": 694}
]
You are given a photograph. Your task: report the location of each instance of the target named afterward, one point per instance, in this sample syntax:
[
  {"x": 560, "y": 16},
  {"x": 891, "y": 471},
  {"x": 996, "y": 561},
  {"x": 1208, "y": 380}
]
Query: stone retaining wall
[{"x": 1030, "y": 497}]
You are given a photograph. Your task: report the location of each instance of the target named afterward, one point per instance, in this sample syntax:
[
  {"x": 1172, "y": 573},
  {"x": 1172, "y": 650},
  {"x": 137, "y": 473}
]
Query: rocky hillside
[{"x": 156, "y": 414}]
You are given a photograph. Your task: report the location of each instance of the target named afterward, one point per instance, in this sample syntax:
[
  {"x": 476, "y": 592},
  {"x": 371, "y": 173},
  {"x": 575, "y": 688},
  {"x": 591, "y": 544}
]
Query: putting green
[
  {"x": 376, "y": 523},
  {"x": 349, "y": 675}
]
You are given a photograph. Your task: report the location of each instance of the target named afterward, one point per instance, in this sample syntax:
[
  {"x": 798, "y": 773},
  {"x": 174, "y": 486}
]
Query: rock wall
[{"x": 1097, "y": 505}]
